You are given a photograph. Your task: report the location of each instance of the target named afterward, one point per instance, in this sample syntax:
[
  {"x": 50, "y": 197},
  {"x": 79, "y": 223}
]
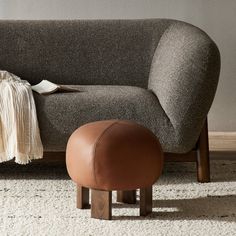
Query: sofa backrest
[{"x": 107, "y": 52}]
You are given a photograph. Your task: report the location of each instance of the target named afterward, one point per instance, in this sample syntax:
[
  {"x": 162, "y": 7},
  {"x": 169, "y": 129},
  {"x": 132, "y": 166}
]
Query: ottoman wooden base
[
  {"x": 101, "y": 201},
  {"x": 101, "y": 204},
  {"x": 128, "y": 197},
  {"x": 82, "y": 197}
]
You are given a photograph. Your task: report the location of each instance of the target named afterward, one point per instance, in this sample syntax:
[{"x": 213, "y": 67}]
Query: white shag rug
[{"x": 40, "y": 200}]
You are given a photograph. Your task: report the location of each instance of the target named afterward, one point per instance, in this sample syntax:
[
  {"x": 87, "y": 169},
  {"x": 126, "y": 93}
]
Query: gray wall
[{"x": 216, "y": 17}]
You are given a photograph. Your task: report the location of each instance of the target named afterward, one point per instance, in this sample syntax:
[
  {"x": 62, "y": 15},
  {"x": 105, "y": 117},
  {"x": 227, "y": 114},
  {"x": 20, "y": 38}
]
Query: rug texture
[{"x": 39, "y": 199}]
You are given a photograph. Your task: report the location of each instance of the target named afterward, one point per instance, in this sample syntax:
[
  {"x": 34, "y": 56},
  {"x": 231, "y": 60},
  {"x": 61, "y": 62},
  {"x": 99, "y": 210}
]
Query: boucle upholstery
[
  {"x": 184, "y": 76},
  {"x": 59, "y": 115},
  {"x": 161, "y": 73}
]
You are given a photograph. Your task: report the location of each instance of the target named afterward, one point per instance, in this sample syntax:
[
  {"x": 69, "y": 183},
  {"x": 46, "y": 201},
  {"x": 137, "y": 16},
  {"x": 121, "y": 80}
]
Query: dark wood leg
[
  {"x": 145, "y": 201},
  {"x": 126, "y": 196},
  {"x": 101, "y": 204},
  {"x": 82, "y": 197},
  {"x": 203, "y": 165}
]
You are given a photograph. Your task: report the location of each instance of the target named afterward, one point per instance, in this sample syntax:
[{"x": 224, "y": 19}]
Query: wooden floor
[
  {"x": 223, "y": 155},
  {"x": 222, "y": 141},
  {"x": 222, "y": 145}
]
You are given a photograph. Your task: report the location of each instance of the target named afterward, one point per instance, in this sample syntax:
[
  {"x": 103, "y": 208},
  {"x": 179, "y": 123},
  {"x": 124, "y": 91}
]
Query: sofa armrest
[{"x": 184, "y": 76}]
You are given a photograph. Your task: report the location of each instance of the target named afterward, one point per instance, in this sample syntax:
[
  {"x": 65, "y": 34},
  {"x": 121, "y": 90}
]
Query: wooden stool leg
[
  {"x": 101, "y": 204},
  {"x": 82, "y": 197},
  {"x": 203, "y": 165},
  {"x": 126, "y": 196},
  {"x": 145, "y": 201}
]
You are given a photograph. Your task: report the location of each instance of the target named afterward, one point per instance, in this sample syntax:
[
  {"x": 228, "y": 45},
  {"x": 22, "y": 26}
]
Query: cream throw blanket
[{"x": 19, "y": 131}]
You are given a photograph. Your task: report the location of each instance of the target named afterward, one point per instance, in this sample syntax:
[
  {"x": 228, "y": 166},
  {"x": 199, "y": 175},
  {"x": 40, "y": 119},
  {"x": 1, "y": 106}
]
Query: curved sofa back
[{"x": 106, "y": 52}]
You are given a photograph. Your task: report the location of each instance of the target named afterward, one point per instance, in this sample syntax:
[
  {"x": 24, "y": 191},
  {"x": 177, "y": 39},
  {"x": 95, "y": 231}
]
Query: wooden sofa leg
[
  {"x": 126, "y": 196},
  {"x": 145, "y": 201},
  {"x": 101, "y": 204},
  {"x": 82, "y": 197},
  {"x": 203, "y": 165}
]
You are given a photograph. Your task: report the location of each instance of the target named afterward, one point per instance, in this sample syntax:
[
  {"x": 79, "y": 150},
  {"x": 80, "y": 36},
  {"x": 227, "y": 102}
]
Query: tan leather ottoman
[{"x": 113, "y": 155}]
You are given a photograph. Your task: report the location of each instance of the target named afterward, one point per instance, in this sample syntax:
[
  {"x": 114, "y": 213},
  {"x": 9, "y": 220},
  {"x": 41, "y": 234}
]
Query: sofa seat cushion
[{"x": 60, "y": 114}]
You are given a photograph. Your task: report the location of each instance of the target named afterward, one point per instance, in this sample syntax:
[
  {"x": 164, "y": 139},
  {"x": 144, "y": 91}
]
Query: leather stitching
[{"x": 95, "y": 146}]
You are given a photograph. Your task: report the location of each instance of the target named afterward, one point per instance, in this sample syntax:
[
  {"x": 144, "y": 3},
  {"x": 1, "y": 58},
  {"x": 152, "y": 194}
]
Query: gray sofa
[{"x": 158, "y": 72}]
